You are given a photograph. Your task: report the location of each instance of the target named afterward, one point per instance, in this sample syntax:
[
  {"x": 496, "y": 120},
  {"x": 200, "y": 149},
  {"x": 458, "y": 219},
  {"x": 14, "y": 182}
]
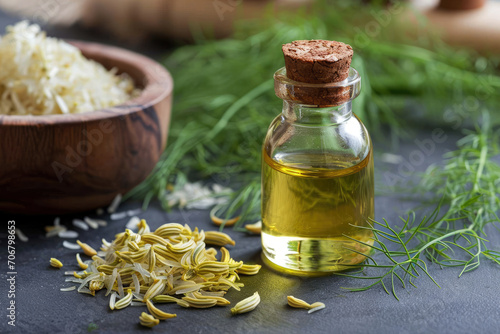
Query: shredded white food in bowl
[{"x": 41, "y": 75}]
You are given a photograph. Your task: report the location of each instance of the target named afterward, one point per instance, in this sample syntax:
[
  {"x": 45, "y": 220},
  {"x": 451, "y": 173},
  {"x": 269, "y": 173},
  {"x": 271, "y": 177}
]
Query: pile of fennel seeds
[{"x": 169, "y": 265}]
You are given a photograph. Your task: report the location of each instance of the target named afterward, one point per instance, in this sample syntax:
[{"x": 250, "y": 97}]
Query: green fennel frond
[{"x": 467, "y": 190}]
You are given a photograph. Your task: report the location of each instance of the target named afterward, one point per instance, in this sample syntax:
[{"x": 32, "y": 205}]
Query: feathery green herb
[
  {"x": 467, "y": 190},
  {"x": 224, "y": 97}
]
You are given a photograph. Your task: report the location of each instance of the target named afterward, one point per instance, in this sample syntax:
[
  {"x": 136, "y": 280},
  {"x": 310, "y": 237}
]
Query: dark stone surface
[
  {"x": 463, "y": 305},
  {"x": 469, "y": 304}
]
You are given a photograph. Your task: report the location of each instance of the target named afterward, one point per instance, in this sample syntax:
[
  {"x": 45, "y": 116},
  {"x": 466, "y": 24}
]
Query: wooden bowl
[
  {"x": 58, "y": 164},
  {"x": 461, "y": 4}
]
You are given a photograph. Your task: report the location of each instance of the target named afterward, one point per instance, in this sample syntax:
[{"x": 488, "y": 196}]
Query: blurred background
[{"x": 462, "y": 22}]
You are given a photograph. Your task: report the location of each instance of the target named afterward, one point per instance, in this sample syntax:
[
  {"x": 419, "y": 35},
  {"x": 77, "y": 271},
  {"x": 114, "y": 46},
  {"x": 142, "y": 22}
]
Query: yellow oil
[{"x": 312, "y": 204}]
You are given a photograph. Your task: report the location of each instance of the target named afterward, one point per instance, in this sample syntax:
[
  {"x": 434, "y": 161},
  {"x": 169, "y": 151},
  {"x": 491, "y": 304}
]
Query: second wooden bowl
[
  {"x": 461, "y": 4},
  {"x": 70, "y": 163}
]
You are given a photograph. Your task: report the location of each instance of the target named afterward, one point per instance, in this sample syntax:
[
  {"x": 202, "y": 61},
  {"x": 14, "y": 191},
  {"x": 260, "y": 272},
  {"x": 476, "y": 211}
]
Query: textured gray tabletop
[{"x": 469, "y": 304}]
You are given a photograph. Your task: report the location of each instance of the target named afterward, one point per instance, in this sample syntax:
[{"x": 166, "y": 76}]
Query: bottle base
[{"x": 313, "y": 256}]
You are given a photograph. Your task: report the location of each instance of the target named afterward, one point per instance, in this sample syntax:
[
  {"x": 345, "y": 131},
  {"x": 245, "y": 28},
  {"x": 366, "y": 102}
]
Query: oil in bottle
[{"x": 313, "y": 205}]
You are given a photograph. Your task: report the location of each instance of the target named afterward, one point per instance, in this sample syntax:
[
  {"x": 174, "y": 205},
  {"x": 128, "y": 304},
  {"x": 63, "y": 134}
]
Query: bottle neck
[{"x": 316, "y": 116}]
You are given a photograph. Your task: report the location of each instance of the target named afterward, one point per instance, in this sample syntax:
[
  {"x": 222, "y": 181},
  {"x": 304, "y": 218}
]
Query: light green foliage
[{"x": 467, "y": 193}]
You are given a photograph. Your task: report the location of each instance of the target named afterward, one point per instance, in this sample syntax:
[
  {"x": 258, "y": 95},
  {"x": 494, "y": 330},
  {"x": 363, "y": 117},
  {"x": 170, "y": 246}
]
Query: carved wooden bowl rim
[{"x": 156, "y": 86}]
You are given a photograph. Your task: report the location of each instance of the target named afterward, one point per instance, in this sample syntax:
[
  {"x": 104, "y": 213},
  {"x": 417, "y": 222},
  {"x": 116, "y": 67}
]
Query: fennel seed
[
  {"x": 89, "y": 251},
  {"x": 218, "y": 239},
  {"x": 221, "y": 301},
  {"x": 299, "y": 303},
  {"x": 148, "y": 320},
  {"x": 125, "y": 301},
  {"x": 248, "y": 269},
  {"x": 254, "y": 228},
  {"x": 170, "y": 299},
  {"x": 200, "y": 303},
  {"x": 55, "y": 263},
  {"x": 219, "y": 221},
  {"x": 80, "y": 262},
  {"x": 157, "y": 313},
  {"x": 247, "y": 304},
  {"x": 170, "y": 264}
]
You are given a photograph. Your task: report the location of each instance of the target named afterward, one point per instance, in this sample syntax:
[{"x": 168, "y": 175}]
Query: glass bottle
[{"x": 317, "y": 179}]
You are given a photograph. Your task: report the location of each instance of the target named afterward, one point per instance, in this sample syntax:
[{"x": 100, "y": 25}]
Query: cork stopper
[{"x": 317, "y": 61}]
